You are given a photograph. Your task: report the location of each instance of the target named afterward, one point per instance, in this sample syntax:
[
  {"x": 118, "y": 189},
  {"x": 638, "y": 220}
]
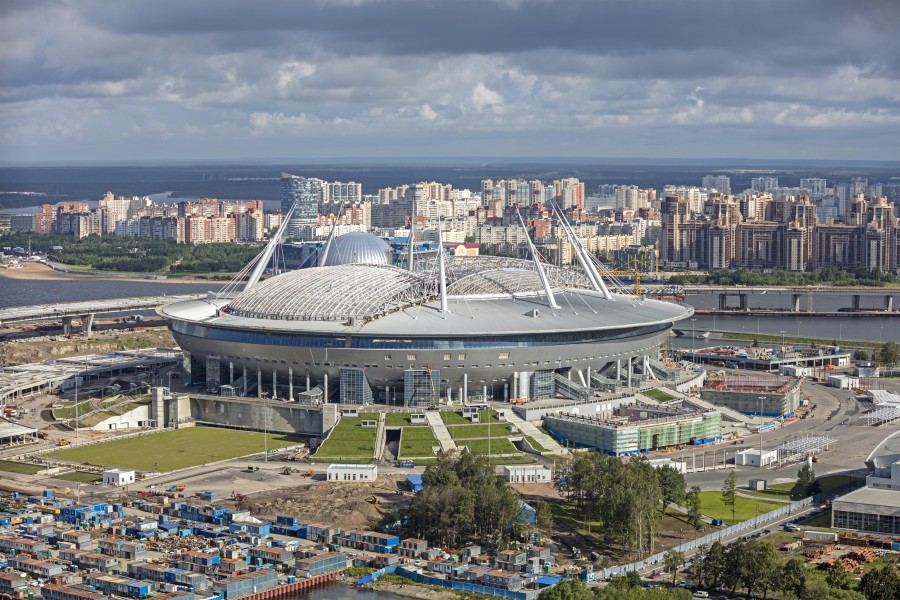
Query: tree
[
  {"x": 888, "y": 354},
  {"x": 543, "y": 517},
  {"x": 860, "y": 355},
  {"x": 729, "y": 492},
  {"x": 628, "y": 581},
  {"x": 735, "y": 562},
  {"x": 715, "y": 564},
  {"x": 793, "y": 577},
  {"x": 828, "y": 593},
  {"x": 761, "y": 566},
  {"x": 837, "y": 577},
  {"x": 880, "y": 584},
  {"x": 671, "y": 561},
  {"x": 671, "y": 485},
  {"x": 568, "y": 589},
  {"x": 694, "y": 505},
  {"x": 806, "y": 481}
]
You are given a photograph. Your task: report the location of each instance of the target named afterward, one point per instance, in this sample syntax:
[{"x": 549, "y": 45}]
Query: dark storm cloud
[{"x": 302, "y": 77}]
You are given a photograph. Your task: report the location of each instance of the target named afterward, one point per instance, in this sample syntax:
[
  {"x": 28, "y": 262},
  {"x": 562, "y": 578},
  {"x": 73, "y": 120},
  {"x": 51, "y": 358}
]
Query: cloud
[{"x": 575, "y": 77}]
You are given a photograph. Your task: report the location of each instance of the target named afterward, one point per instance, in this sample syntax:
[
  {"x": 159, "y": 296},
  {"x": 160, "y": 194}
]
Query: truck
[{"x": 406, "y": 464}]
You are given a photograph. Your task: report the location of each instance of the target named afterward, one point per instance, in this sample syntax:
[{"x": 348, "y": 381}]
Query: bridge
[
  {"x": 85, "y": 310},
  {"x": 743, "y": 293}
]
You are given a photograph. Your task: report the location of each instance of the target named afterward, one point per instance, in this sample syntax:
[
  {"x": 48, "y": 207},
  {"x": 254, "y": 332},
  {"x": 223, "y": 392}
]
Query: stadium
[{"x": 358, "y": 330}]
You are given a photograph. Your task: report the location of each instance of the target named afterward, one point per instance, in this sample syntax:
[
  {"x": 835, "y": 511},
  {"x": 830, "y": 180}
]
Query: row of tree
[
  {"x": 625, "y": 499},
  {"x": 756, "y": 567},
  {"x": 112, "y": 253},
  {"x": 463, "y": 500},
  {"x": 829, "y": 276}
]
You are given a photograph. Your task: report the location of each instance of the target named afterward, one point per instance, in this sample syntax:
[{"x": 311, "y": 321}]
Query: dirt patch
[
  {"x": 344, "y": 505},
  {"x": 18, "y": 353}
]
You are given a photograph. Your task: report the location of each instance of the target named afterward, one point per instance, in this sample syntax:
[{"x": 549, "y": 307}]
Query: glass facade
[
  {"x": 889, "y": 524},
  {"x": 410, "y": 343},
  {"x": 306, "y": 194}
]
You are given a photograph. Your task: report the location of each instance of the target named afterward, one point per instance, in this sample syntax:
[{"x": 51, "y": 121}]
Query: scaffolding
[
  {"x": 354, "y": 386},
  {"x": 543, "y": 385},
  {"x": 881, "y": 415},
  {"x": 421, "y": 387},
  {"x": 803, "y": 446}
]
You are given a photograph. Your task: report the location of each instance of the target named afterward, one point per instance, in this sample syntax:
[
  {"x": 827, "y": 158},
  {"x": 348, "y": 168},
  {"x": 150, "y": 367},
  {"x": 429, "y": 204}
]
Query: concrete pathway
[
  {"x": 530, "y": 430},
  {"x": 440, "y": 430},
  {"x": 380, "y": 437}
]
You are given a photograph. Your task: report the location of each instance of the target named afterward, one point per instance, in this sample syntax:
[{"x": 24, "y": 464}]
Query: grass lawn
[
  {"x": 744, "y": 508},
  {"x": 80, "y": 477},
  {"x": 172, "y": 450},
  {"x": 823, "y": 520},
  {"x": 67, "y": 411},
  {"x": 468, "y": 432},
  {"x": 14, "y": 467},
  {"x": 417, "y": 441},
  {"x": 658, "y": 395},
  {"x": 535, "y": 444},
  {"x": 498, "y": 446},
  {"x": 456, "y": 418},
  {"x": 349, "y": 440},
  {"x": 399, "y": 420}
]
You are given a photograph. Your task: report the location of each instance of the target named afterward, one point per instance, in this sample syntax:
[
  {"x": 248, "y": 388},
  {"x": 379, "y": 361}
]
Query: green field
[
  {"x": 535, "y": 444},
  {"x": 399, "y": 420},
  {"x": 14, "y": 467},
  {"x": 482, "y": 430},
  {"x": 67, "y": 410},
  {"x": 80, "y": 477},
  {"x": 498, "y": 446},
  {"x": 658, "y": 395},
  {"x": 417, "y": 441},
  {"x": 172, "y": 450},
  {"x": 349, "y": 440},
  {"x": 745, "y": 508},
  {"x": 456, "y": 418}
]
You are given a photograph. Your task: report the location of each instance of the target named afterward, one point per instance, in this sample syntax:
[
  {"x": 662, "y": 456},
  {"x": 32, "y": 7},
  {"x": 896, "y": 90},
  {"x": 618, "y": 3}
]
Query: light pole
[
  {"x": 760, "y": 398},
  {"x": 693, "y": 338},
  {"x": 265, "y": 431},
  {"x": 782, "y": 342},
  {"x": 798, "y": 327},
  {"x": 76, "y": 404},
  {"x": 841, "y": 331}
]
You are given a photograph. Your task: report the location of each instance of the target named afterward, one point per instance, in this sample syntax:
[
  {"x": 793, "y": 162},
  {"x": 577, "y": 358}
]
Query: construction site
[
  {"x": 756, "y": 395},
  {"x": 637, "y": 427}
]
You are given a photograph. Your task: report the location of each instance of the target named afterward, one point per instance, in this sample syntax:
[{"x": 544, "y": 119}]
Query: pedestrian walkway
[
  {"x": 380, "y": 437},
  {"x": 530, "y": 430},
  {"x": 440, "y": 430},
  {"x": 731, "y": 415}
]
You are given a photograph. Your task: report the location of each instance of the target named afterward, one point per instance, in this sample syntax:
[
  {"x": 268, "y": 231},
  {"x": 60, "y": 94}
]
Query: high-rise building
[
  {"x": 719, "y": 183},
  {"x": 814, "y": 186},
  {"x": 306, "y": 195},
  {"x": 763, "y": 184}
]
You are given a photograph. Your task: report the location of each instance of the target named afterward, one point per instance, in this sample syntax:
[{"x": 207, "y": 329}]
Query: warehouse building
[
  {"x": 352, "y": 472},
  {"x": 527, "y": 473},
  {"x": 637, "y": 427},
  {"x": 876, "y": 507},
  {"x": 766, "y": 395}
]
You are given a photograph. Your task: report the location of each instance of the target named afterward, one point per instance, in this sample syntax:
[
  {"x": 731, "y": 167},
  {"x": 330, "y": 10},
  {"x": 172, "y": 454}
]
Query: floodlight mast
[
  {"x": 270, "y": 248},
  {"x": 327, "y": 248},
  {"x": 443, "y": 271},
  {"x": 551, "y": 299}
]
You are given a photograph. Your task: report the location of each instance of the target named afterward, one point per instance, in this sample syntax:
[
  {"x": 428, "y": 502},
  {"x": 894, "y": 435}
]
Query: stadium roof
[{"x": 357, "y": 247}]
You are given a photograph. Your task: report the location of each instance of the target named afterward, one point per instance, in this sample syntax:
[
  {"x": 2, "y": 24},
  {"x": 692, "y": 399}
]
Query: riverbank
[{"x": 34, "y": 271}]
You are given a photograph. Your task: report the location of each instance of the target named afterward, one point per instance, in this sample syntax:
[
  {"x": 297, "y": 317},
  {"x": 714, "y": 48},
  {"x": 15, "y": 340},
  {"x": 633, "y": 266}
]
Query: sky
[{"x": 84, "y": 80}]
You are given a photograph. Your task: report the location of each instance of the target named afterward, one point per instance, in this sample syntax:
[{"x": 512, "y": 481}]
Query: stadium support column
[
  {"x": 67, "y": 325},
  {"x": 648, "y": 371},
  {"x": 523, "y": 385},
  {"x": 465, "y": 391},
  {"x": 588, "y": 375},
  {"x": 245, "y": 380},
  {"x": 515, "y": 384},
  {"x": 274, "y": 383},
  {"x": 629, "y": 371},
  {"x": 290, "y": 383},
  {"x": 258, "y": 382},
  {"x": 307, "y": 382},
  {"x": 506, "y": 391},
  {"x": 888, "y": 303},
  {"x": 230, "y": 373},
  {"x": 618, "y": 369},
  {"x": 581, "y": 377},
  {"x": 325, "y": 383}
]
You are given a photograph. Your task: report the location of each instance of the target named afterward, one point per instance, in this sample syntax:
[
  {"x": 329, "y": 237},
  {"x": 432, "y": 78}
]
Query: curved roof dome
[
  {"x": 357, "y": 247},
  {"x": 339, "y": 293}
]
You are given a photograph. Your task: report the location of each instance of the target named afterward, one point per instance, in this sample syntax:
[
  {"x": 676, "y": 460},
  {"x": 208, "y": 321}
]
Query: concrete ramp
[
  {"x": 380, "y": 437},
  {"x": 440, "y": 430},
  {"x": 727, "y": 413},
  {"x": 527, "y": 428}
]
